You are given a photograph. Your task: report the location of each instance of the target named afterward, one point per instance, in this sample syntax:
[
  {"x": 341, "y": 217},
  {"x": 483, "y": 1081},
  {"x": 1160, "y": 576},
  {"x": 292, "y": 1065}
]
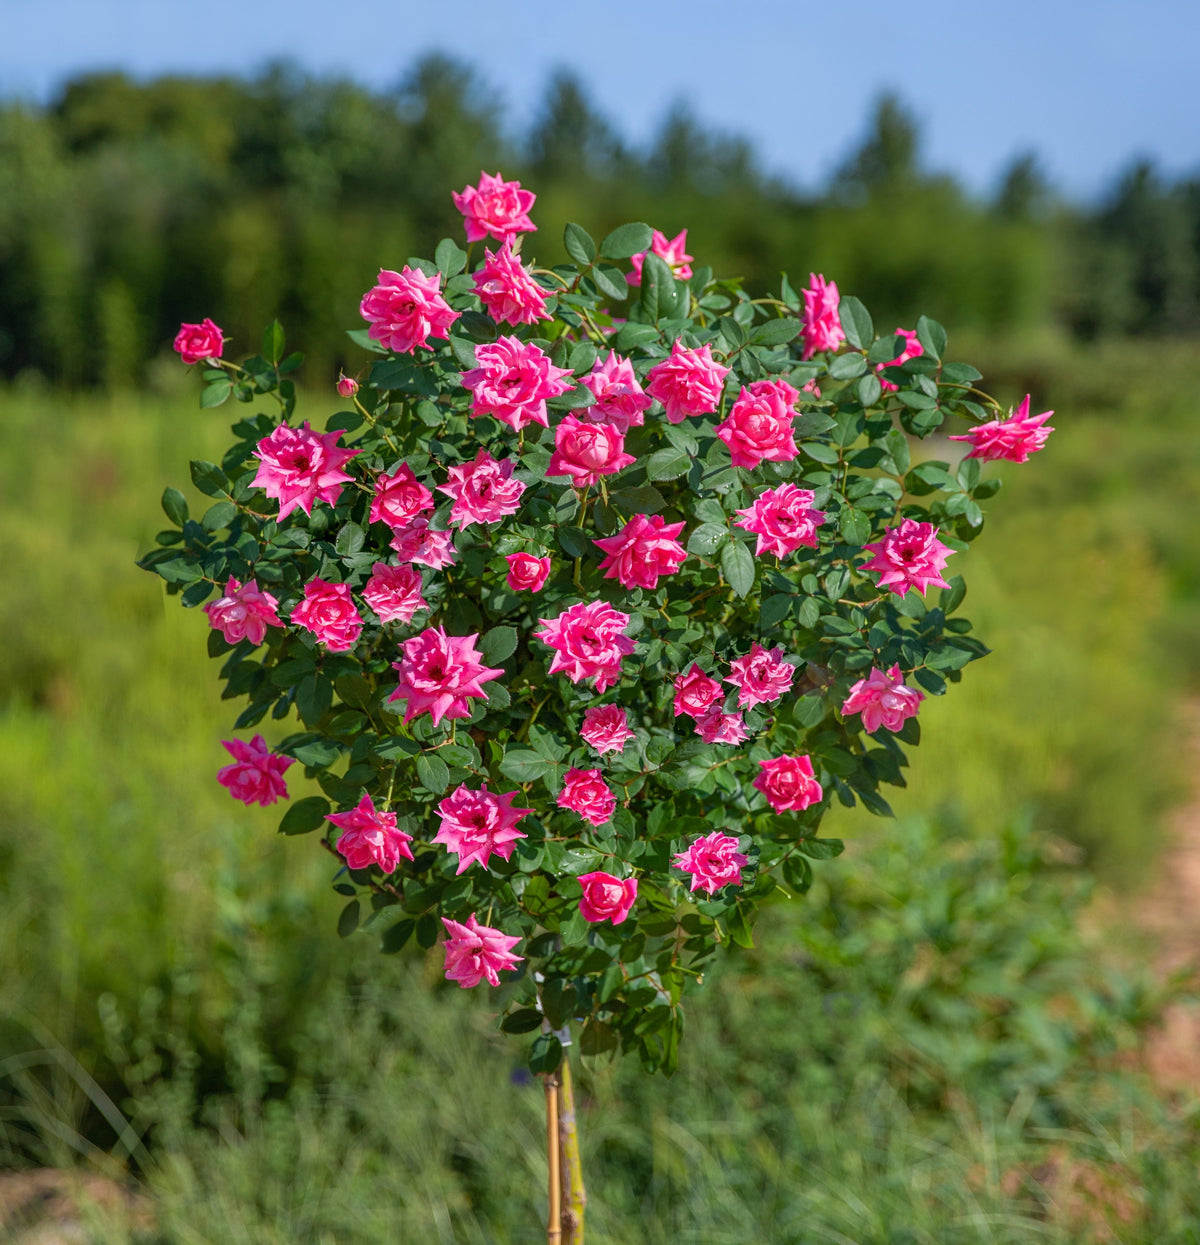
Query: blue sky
[{"x": 1087, "y": 85}]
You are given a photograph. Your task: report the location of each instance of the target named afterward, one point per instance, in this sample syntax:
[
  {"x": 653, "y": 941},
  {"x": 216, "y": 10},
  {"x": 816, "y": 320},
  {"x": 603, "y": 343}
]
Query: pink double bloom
[
  {"x": 299, "y": 467},
  {"x": 644, "y": 550},
  {"x": 909, "y": 556},
  {"x": 256, "y": 775},
  {"x": 243, "y": 613},
  {"x": 476, "y": 953},
  {"x": 883, "y": 700},
  {"x": 512, "y": 381},
  {"x": 370, "y": 836},
  {"x": 476, "y": 825},
  {"x": 589, "y": 642},
  {"x": 439, "y": 674},
  {"x": 759, "y": 424},
  {"x": 405, "y": 309},
  {"x": 495, "y": 207},
  {"x": 713, "y": 861}
]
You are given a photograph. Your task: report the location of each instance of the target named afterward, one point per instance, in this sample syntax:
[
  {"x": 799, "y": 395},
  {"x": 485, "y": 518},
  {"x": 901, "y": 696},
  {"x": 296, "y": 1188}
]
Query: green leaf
[
  {"x": 644, "y": 499},
  {"x": 611, "y": 282},
  {"x": 856, "y": 322},
  {"x": 898, "y": 448},
  {"x": 464, "y": 351},
  {"x": 305, "y": 815},
  {"x": 869, "y": 389},
  {"x": 522, "y": 765},
  {"x": 546, "y": 1053},
  {"x": 432, "y": 772},
  {"x": 582, "y": 358},
  {"x": 497, "y": 644},
  {"x": 627, "y": 240},
  {"x": 208, "y": 477},
  {"x": 657, "y": 288},
  {"x": 216, "y": 393},
  {"x": 348, "y": 919},
  {"x": 525, "y": 1019},
  {"x": 854, "y": 526},
  {"x": 632, "y": 335},
  {"x": 932, "y": 337},
  {"x": 820, "y": 451},
  {"x": 775, "y": 609},
  {"x": 314, "y": 695},
  {"x": 450, "y": 258},
  {"x": 847, "y": 366},
  {"x": 821, "y": 849},
  {"x": 579, "y": 244},
  {"x": 363, "y": 338},
  {"x": 272, "y": 343},
  {"x": 350, "y": 539},
  {"x": 737, "y": 565},
  {"x": 175, "y": 506},
  {"x": 218, "y": 516},
  {"x": 707, "y": 539},
  {"x": 668, "y": 464},
  {"x": 775, "y": 332},
  {"x": 395, "y": 936}
]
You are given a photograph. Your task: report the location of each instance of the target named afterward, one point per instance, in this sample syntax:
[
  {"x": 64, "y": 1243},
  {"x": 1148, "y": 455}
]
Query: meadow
[{"x": 929, "y": 1047}]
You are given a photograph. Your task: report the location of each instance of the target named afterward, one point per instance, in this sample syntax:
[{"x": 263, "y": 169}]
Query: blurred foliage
[{"x": 129, "y": 207}]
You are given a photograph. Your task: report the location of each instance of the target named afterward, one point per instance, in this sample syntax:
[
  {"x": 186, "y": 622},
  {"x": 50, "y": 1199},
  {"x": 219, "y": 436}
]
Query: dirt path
[{"x": 1170, "y": 911}]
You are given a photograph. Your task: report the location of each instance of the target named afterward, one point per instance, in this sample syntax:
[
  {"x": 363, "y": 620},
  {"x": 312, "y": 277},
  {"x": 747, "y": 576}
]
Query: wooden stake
[
  {"x": 554, "y": 1220},
  {"x": 574, "y": 1195}
]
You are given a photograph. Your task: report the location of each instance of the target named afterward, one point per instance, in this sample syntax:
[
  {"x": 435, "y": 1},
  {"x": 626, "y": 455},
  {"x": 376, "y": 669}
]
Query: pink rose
[
  {"x": 909, "y": 556},
  {"x": 399, "y": 498},
  {"x": 477, "y": 824},
  {"x": 371, "y": 837},
  {"x": 243, "y": 613},
  {"x": 417, "y": 542},
  {"x": 588, "y": 642},
  {"x": 912, "y": 349},
  {"x": 585, "y": 452},
  {"x": 484, "y": 491},
  {"x": 585, "y": 792},
  {"x": 347, "y": 386},
  {"x": 526, "y": 573},
  {"x": 405, "y": 309},
  {"x": 256, "y": 775},
  {"x": 696, "y": 693},
  {"x": 328, "y": 612},
  {"x": 822, "y": 324},
  {"x": 439, "y": 673},
  {"x": 495, "y": 207},
  {"x": 788, "y": 783},
  {"x": 687, "y": 382},
  {"x": 507, "y": 291},
  {"x": 475, "y": 952},
  {"x": 783, "y": 520},
  {"x": 713, "y": 861},
  {"x": 674, "y": 252},
  {"x": 606, "y": 728},
  {"x": 606, "y": 898},
  {"x": 761, "y": 676},
  {"x": 716, "y": 727},
  {"x": 620, "y": 400},
  {"x": 1012, "y": 439},
  {"x": 394, "y": 592},
  {"x": 512, "y": 381},
  {"x": 883, "y": 700},
  {"x": 195, "y": 342},
  {"x": 642, "y": 551},
  {"x": 299, "y": 467},
  {"x": 759, "y": 424}
]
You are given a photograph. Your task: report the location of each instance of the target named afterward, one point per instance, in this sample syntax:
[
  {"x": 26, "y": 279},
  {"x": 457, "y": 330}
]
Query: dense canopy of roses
[{"x": 638, "y": 548}]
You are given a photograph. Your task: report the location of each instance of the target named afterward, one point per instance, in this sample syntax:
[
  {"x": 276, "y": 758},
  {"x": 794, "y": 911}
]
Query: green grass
[{"x": 877, "y": 1073}]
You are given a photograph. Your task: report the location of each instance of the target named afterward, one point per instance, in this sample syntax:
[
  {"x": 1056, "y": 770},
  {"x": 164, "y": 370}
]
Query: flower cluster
[{"x": 594, "y": 589}]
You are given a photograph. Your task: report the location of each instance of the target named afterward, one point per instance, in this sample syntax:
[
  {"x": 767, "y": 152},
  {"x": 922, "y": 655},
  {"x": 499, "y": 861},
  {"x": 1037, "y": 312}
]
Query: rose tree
[{"x": 605, "y": 582}]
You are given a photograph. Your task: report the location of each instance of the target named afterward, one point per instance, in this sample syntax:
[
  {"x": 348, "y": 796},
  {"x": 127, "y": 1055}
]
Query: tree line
[{"x": 127, "y": 207}]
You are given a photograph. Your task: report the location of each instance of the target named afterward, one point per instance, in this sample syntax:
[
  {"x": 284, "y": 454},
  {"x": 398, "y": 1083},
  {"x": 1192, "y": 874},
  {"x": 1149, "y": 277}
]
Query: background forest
[
  {"x": 126, "y": 207},
  {"x": 951, "y": 1039}
]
